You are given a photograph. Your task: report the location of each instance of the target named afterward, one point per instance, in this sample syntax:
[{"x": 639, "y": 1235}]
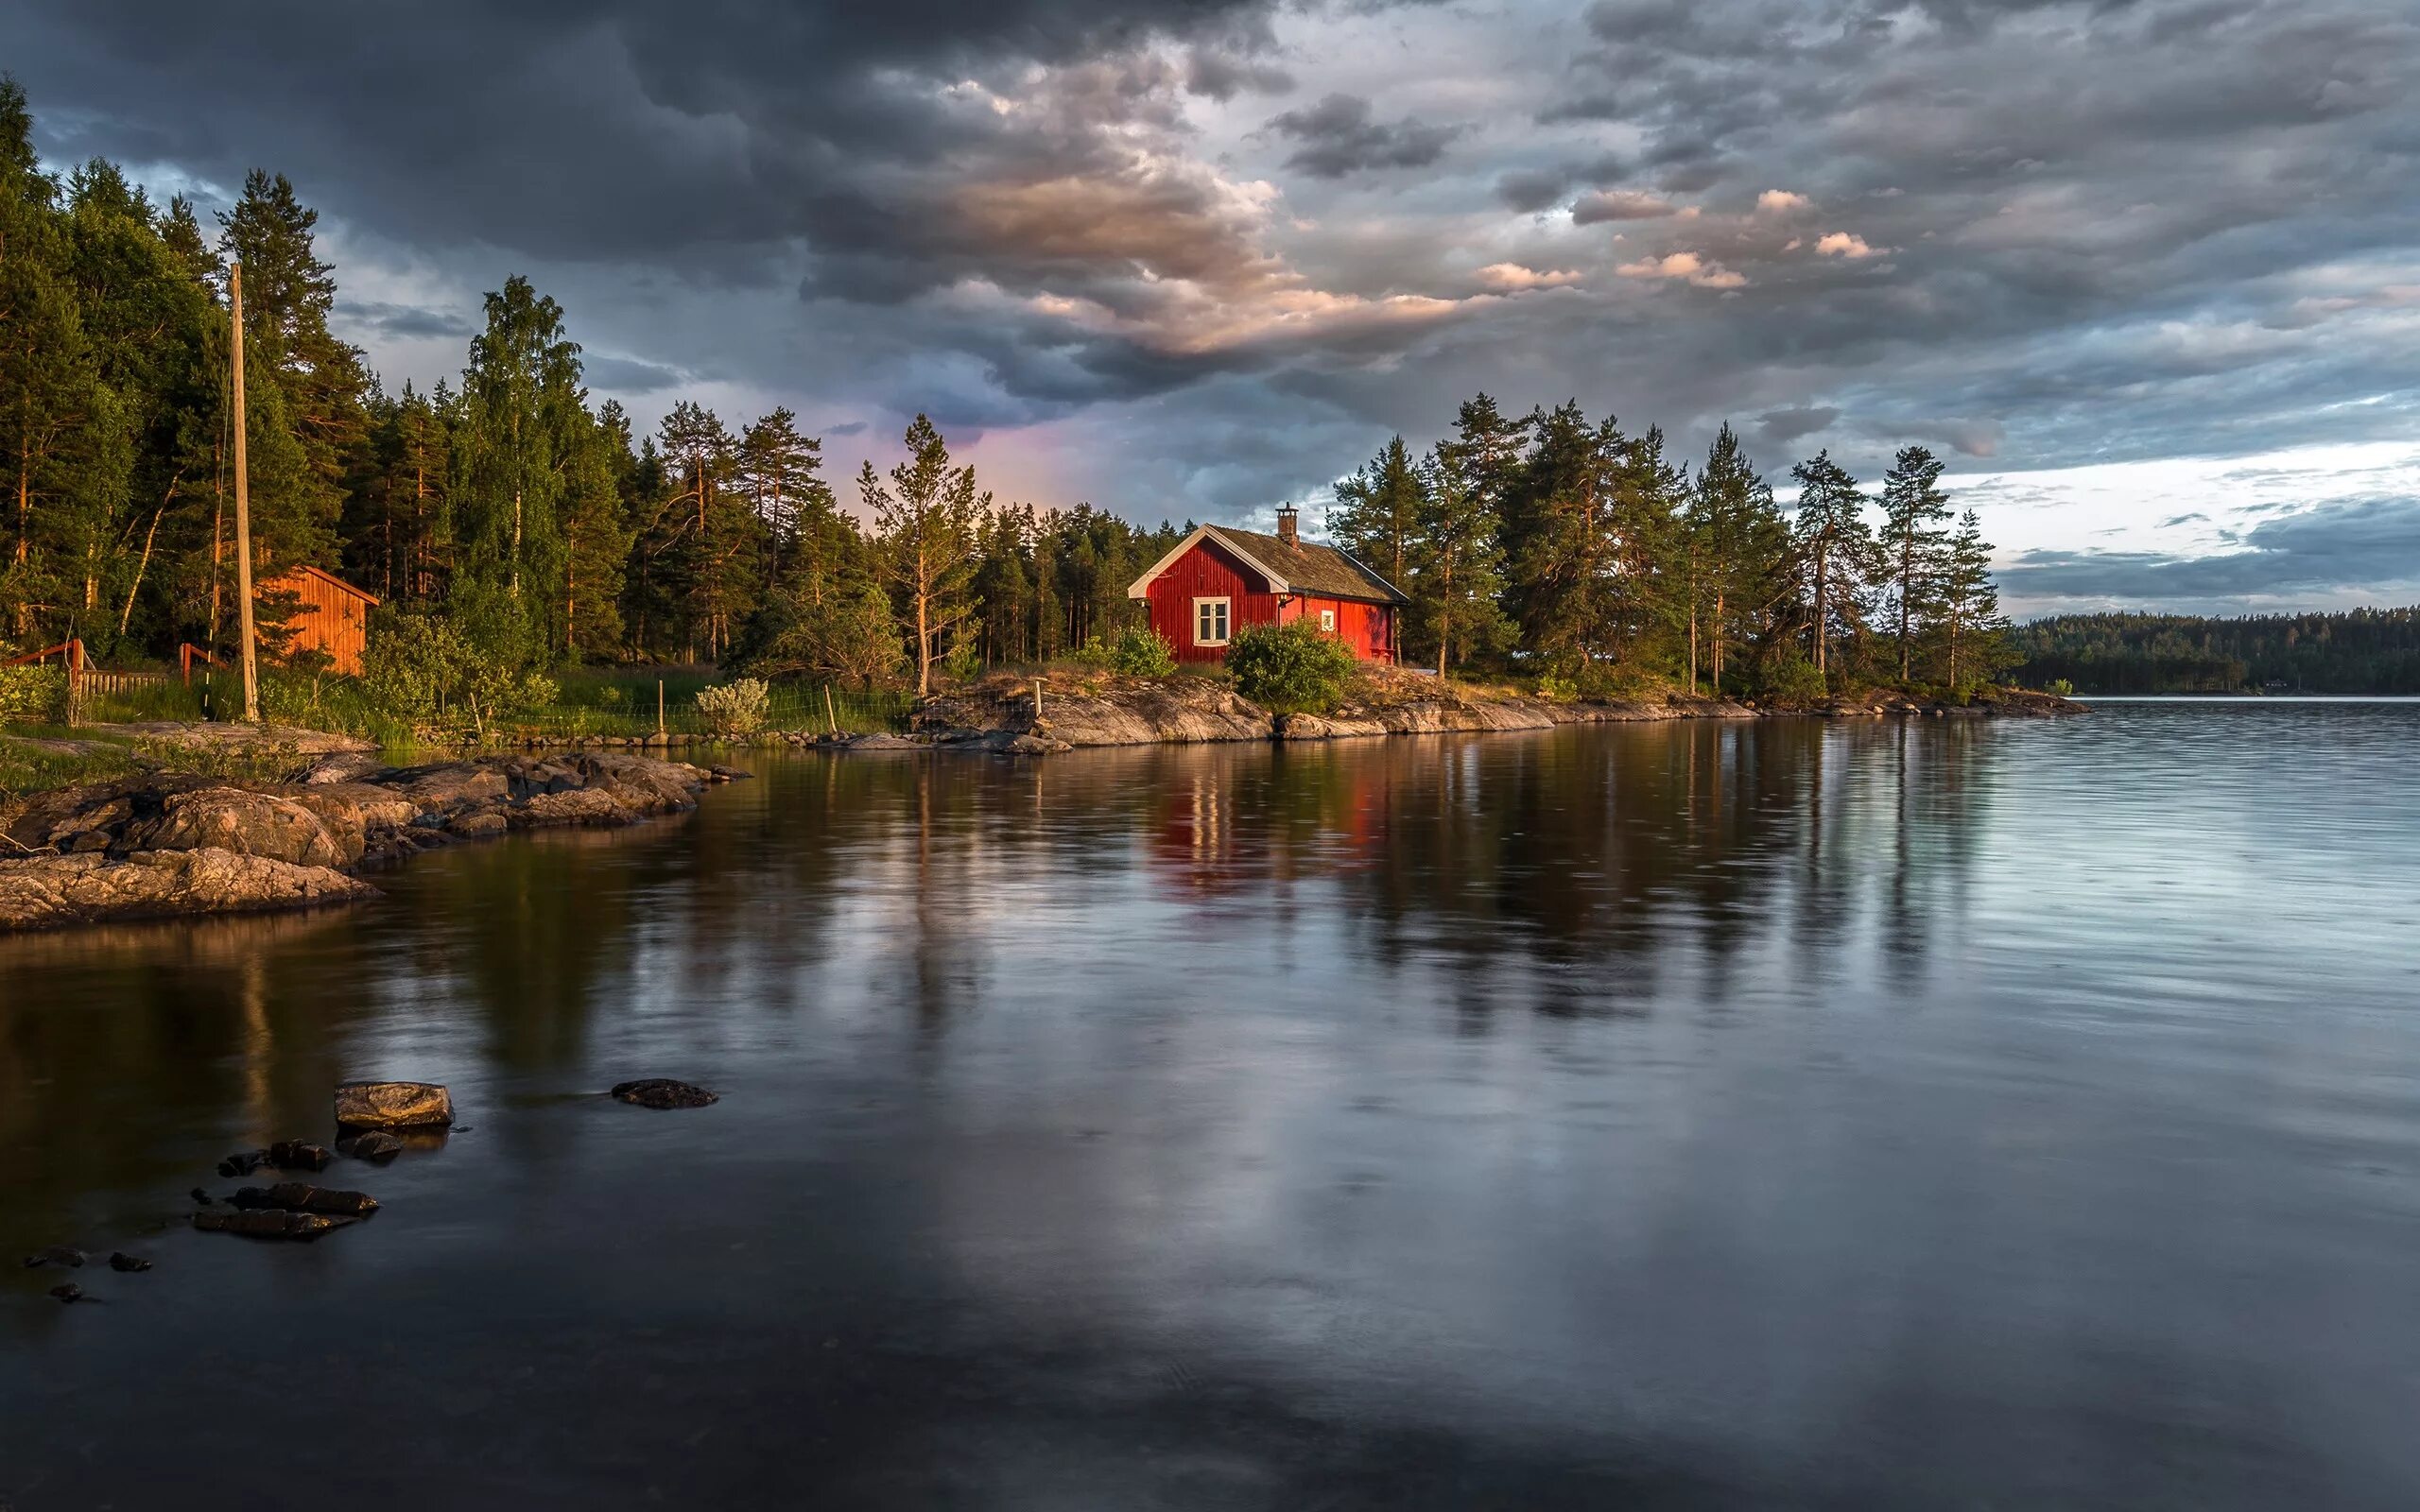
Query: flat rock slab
[
  {"x": 295, "y": 1154},
  {"x": 393, "y": 1105},
  {"x": 44, "y": 893},
  {"x": 56, "y": 1255},
  {"x": 663, "y": 1092},
  {"x": 269, "y": 1223},
  {"x": 301, "y": 1196}
]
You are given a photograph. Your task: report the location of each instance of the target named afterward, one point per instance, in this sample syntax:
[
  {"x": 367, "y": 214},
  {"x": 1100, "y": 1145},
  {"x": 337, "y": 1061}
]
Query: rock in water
[
  {"x": 200, "y": 1196},
  {"x": 69, "y": 1293},
  {"x": 243, "y": 1162},
  {"x": 56, "y": 1255},
  {"x": 120, "y": 1260},
  {"x": 374, "y": 1147},
  {"x": 393, "y": 1105},
  {"x": 269, "y": 1225},
  {"x": 299, "y": 1196},
  {"x": 294, "y": 1154},
  {"x": 659, "y": 1092}
]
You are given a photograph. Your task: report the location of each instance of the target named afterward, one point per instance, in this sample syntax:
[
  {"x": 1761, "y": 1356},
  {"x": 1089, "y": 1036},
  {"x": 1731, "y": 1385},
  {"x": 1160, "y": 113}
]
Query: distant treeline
[{"x": 2360, "y": 651}]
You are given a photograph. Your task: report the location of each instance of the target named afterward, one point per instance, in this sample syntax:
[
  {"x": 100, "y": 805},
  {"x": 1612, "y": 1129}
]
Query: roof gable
[{"x": 1299, "y": 567}]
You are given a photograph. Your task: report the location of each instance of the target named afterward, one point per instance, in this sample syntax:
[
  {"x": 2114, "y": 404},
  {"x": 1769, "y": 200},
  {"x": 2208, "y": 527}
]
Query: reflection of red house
[
  {"x": 1218, "y": 581},
  {"x": 333, "y": 616}
]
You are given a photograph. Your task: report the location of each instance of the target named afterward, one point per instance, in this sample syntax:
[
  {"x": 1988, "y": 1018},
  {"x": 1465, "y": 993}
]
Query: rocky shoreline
[
  {"x": 165, "y": 845},
  {"x": 1187, "y": 710}
]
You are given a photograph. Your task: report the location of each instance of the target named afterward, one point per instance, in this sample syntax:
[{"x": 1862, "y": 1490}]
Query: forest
[
  {"x": 2356, "y": 651},
  {"x": 507, "y": 513}
]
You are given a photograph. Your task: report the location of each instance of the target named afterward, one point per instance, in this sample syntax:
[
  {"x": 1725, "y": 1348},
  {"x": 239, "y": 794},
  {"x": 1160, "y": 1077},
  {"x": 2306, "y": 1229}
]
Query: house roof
[
  {"x": 306, "y": 570},
  {"x": 1304, "y": 567}
]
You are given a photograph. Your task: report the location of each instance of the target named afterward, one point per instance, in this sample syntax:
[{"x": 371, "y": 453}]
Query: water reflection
[{"x": 1701, "y": 1114}]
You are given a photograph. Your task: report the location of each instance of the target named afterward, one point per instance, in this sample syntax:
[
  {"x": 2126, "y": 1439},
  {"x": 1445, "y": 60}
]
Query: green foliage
[
  {"x": 1291, "y": 668},
  {"x": 1555, "y": 688},
  {"x": 424, "y": 669},
  {"x": 33, "y": 694},
  {"x": 1137, "y": 651},
  {"x": 1791, "y": 678},
  {"x": 733, "y": 709},
  {"x": 2063, "y": 687}
]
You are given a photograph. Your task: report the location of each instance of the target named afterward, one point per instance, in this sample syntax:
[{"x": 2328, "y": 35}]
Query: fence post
[
  {"x": 1037, "y": 705},
  {"x": 659, "y": 706},
  {"x": 829, "y": 716}
]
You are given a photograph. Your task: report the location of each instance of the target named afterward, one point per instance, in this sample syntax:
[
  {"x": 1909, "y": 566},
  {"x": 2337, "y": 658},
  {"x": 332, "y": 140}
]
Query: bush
[
  {"x": 1294, "y": 668},
  {"x": 1137, "y": 651},
  {"x": 2062, "y": 687},
  {"x": 1792, "y": 678},
  {"x": 33, "y": 694},
  {"x": 1555, "y": 688},
  {"x": 420, "y": 667},
  {"x": 734, "y": 708}
]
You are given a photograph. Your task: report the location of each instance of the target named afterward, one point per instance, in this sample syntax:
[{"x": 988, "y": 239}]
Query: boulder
[
  {"x": 376, "y": 1149},
  {"x": 269, "y": 1224},
  {"x": 393, "y": 1105},
  {"x": 245, "y": 822},
  {"x": 44, "y": 893},
  {"x": 56, "y": 1255},
  {"x": 295, "y": 1154},
  {"x": 301, "y": 1196},
  {"x": 354, "y": 811},
  {"x": 120, "y": 1260},
  {"x": 587, "y": 805},
  {"x": 243, "y": 1162},
  {"x": 663, "y": 1092},
  {"x": 477, "y": 825},
  {"x": 69, "y": 1293},
  {"x": 453, "y": 784}
]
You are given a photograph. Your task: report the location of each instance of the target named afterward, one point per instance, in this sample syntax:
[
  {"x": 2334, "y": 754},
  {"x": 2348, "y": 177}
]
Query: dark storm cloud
[
  {"x": 2043, "y": 233},
  {"x": 628, "y": 375},
  {"x": 404, "y": 321},
  {"x": 1338, "y": 136},
  {"x": 2358, "y": 546}
]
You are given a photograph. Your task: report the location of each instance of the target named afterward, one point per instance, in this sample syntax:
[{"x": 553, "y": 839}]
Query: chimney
[{"x": 1285, "y": 513}]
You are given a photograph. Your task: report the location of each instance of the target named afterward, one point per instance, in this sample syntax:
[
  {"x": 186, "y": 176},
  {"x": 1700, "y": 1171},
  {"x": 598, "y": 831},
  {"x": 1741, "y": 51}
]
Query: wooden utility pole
[{"x": 243, "y": 502}]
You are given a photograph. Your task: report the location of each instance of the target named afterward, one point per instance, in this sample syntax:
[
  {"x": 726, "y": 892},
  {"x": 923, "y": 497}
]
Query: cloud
[
  {"x": 2354, "y": 549},
  {"x": 1685, "y": 266},
  {"x": 1781, "y": 202},
  {"x": 1514, "y": 278},
  {"x": 1780, "y": 427},
  {"x": 402, "y": 321},
  {"x": 628, "y": 375},
  {"x": 1620, "y": 205},
  {"x": 1338, "y": 136},
  {"x": 1843, "y": 243}
]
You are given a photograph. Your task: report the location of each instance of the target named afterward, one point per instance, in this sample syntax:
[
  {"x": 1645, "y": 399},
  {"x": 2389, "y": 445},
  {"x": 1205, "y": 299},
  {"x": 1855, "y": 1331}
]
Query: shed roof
[{"x": 1302, "y": 567}]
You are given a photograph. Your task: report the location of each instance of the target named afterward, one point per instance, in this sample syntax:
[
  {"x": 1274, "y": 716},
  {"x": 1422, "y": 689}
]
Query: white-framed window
[
  {"x": 1327, "y": 621},
  {"x": 1210, "y": 622}
]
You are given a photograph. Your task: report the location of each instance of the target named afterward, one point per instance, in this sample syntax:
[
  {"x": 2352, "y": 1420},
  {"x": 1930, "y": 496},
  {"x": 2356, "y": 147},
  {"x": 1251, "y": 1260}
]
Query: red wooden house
[
  {"x": 330, "y": 615},
  {"x": 1220, "y": 580}
]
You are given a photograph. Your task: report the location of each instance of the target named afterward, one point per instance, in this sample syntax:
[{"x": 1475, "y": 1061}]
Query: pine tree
[
  {"x": 1736, "y": 544},
  {"x": 1459, "y": 573},
  {"x": 1914, "y": 544},
  {"x": 1836, "y": 551},
  {"x": 926, "y": 523},
  {"x": 1562, "y": 540}
]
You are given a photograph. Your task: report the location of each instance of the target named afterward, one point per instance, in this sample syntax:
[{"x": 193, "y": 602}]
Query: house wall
[
  {"x": 331, "y": 618},
  {"x": 1206, "y": 572}
]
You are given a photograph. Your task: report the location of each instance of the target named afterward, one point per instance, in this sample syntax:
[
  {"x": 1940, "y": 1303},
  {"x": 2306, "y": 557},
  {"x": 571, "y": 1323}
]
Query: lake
[{"x": 1778, "y": 1113}]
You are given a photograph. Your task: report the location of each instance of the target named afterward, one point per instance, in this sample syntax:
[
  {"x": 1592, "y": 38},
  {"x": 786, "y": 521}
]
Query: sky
[{"x": 2146, "y": 274}]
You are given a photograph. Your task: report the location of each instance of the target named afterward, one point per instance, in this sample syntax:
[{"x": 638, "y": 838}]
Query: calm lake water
[{"x": 1780, "y": 1114}]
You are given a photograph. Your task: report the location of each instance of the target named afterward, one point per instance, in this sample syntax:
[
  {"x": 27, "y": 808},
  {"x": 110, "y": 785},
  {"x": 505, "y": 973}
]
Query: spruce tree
[
  {"x": 1974, "y": 635},
  {"x": 1377, "y": 513},
  {"x": 523, "y": 424},
  {"x": 1459, "y": 567}
]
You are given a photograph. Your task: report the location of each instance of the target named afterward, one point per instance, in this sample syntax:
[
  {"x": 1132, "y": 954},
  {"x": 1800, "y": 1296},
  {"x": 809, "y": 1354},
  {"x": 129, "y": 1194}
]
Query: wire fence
[{"x": 811, "y": 707}]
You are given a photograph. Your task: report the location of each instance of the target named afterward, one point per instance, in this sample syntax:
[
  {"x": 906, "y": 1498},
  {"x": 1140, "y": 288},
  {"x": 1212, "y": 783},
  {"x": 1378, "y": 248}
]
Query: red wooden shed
[
  {"x": 333, "y": 616},
  {"x": 1220, "y": 580}
]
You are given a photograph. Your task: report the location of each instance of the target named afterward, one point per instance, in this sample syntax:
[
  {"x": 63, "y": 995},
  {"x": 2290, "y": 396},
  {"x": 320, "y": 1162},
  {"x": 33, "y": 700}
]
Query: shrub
[
  {"x": 1137, "y": 651},
  {"x": 2063, "y": 687},
  {"x": 1792, "y": 678},
  {"x": 1555, "y": 688},
  {"x": 420, "y": 667},
  {"x": 1294, "y": 668},
  {"x": 734, "y": 708},
  {"x": 33, "y": 694}
]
